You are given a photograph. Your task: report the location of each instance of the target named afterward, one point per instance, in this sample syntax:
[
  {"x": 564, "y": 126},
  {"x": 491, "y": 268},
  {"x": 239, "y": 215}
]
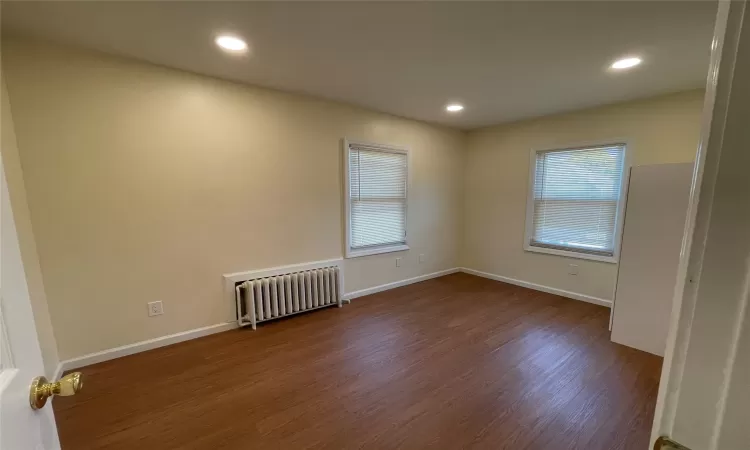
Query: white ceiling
[{"x": 503, "y": 60}]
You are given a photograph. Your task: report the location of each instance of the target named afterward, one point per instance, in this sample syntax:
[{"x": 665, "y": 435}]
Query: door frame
[{"x": 724, "y": 54}]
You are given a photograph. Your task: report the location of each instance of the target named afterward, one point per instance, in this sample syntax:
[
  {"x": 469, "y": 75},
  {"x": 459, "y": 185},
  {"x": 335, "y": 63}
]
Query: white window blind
[
  {"x": 377, "y": 197},
  {"x": 576, "y": 199}
]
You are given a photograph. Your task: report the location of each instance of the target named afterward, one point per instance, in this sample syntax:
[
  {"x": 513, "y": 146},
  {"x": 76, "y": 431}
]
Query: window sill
[
  {"x": 570, "y": 254},
  {"x": 376, "y": 250}
]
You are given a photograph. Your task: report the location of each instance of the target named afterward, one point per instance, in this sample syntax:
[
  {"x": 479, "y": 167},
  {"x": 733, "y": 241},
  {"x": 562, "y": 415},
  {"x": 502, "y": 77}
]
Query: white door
[
  {"x": 704, "y": 395},
  {"x": 21, "y": 428}
]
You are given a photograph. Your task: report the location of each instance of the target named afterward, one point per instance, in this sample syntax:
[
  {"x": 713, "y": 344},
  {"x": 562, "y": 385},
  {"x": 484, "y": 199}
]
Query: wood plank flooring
[{"x": 456, "y": 362}]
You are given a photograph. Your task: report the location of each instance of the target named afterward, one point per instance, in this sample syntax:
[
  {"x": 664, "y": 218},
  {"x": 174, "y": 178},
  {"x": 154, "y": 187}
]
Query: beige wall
[
  {"x": 26, "y": 241},
  {"x": 146, "y": 183},
  {"x": 659, "y": 130}
]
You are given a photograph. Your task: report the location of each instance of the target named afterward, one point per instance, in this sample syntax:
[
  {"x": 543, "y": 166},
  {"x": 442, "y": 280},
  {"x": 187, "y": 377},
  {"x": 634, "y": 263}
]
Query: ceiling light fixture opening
[
  {"x": 626, "y": 63},
  {"x": 454, "y": 107},
  {"x": 231, "y": 43}
]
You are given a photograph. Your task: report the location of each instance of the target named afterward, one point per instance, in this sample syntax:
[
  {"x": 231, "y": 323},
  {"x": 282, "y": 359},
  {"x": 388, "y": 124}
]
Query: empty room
[{"x": 376, "y": 225}]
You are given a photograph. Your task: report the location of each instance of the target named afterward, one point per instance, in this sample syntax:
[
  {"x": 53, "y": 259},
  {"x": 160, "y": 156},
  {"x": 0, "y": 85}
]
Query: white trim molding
[
  {"x": 262, "y": 273},
  {"x": 377, "y": 250},
  {"x": 138, "y": 347},
  {"x": 395, "y": 284},
  {"x": 350, "y": 252},
  {"x": 131, "y": 349},
  {"x": 571, "y": 252},
  {"x": 58, "y": 373},
  {"x": 540, "y": 287}
]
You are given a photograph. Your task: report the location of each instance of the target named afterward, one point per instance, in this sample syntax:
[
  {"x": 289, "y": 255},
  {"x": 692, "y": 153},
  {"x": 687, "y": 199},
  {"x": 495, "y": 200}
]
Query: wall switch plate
[
  {"x": 398, "y": 262},
  {"x": 155, "y": 308},
  {"x": 572, "y": 269},
  {"x": 421, "y": 257}
]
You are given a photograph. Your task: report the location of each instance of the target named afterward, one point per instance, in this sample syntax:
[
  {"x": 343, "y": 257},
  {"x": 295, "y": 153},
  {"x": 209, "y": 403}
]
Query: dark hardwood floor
[{"x": 451, "y": 363}]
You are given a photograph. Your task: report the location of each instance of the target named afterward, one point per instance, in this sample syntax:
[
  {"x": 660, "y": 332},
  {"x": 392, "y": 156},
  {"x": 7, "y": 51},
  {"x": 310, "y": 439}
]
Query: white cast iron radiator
[{"x": 271, "y": 297}]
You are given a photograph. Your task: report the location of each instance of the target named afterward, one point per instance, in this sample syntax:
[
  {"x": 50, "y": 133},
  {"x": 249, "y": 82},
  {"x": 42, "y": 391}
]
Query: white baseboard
[
  {"x": 125, "y": 350},
  {"x": 540, "y": 287},
  {"x": 395, "y": 284}
]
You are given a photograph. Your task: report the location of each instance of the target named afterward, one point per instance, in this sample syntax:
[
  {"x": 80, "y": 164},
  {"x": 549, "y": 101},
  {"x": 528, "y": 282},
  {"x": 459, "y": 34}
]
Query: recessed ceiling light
[
  {"x": 231, "y": 43},
  {"x": 454, "y": 107},
  {"x": 626, "y": 63}
]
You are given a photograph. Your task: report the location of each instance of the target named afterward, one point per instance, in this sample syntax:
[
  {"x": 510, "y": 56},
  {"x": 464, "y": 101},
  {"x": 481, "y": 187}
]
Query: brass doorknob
[{"x": 41, "y": 389}]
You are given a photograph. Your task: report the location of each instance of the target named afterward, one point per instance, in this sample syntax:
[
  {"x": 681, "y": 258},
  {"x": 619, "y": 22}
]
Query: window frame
[
  {"x": 385, "y": 248},
  {"x": 621, "y": 202}
]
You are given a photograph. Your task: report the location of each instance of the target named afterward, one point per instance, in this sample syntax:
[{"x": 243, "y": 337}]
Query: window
[
  {"x": 376, "y": 192},
  {"x": 574, "y": 205}
]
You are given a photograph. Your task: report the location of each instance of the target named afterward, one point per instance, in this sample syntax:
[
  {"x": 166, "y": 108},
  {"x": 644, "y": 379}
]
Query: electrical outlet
[
  {"x": 155, "y": 308},
  {"x": 572, "y": 269},
  {"x": 398, "y": 262},
  {"x": 421, "y": 258}
]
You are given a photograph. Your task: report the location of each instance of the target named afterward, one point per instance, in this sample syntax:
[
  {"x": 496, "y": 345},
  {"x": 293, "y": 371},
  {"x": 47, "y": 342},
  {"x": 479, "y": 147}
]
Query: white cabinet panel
[{"x": 651, "y": 240}]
